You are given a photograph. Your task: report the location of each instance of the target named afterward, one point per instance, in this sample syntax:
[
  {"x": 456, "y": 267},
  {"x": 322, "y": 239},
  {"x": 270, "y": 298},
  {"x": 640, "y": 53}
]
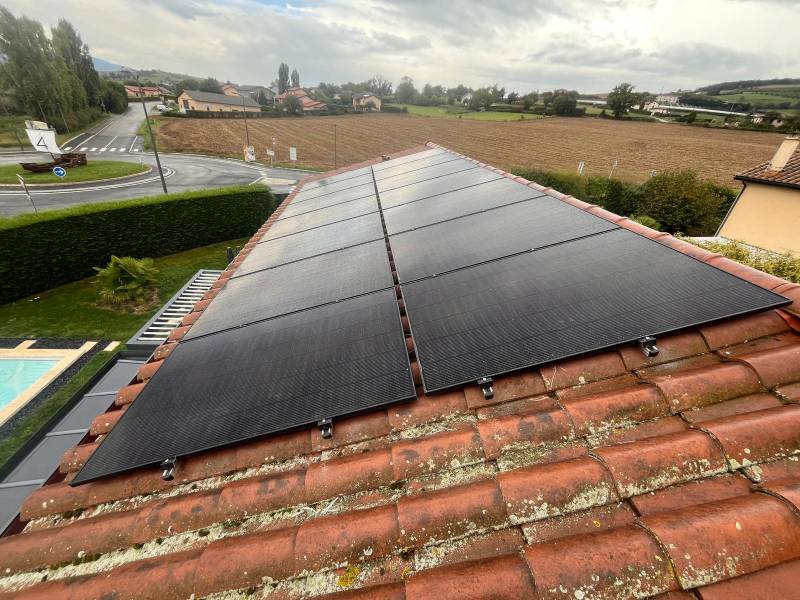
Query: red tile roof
[
  {"x": 607, "y": 476},
  {"x": 789, "y": 175}
]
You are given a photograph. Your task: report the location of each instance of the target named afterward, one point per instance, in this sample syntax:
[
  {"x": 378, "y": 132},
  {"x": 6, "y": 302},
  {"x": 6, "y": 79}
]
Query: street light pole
[
  {"x": 152, "y": 138},
  {"x": 246, "y": 132}
]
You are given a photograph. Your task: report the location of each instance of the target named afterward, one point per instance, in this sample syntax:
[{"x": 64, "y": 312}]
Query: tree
[
  {"x": 68, "y": 45},
  {"x": 262, "y": 99},
  {"x": 113, "y": 96},
  {"x": 682, "y": 203},
  {"x": 530, "y": 100},
  {"x": 210, "y": 85},
  {"x": 186, "y": 84},
  {"x": 295, "y": 78},
  {"x": 405, "y": 93},
  {"x": 565, "y": 103},
  {"x": 379, "y": 86},
  {"x": 292, "y": 105},
  {"x": 512, "y": 97},
  {"x": 283, "y": 78},
  {"x": 547, "y": 98},
  {"x": 621, "y": 99}
]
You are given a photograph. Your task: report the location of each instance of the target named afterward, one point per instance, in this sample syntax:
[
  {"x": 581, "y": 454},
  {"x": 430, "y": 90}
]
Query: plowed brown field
[{"x": 552, "y": 144}]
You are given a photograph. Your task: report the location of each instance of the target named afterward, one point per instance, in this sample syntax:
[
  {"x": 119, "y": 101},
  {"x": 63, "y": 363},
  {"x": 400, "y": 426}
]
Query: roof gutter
[{"x": 732, "y": 206}]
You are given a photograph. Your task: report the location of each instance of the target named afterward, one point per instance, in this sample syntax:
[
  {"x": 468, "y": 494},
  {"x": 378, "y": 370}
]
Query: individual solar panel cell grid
[
  {"x": 435, "y": 187},
  {"x": 266, "y": 378},
  {"x": 320, "y": 183},
  {"x": 331, "y": 188},
  {"x": 490, "y": 235},
  {"x": 477, "y": 198},
  {"x": 323, "y": 216},
  {"x": 357, "y": 193},
  {"x": 424, "y": 174},
  {"x": 562, "y": 301},
  {"x": 312, "y": 242},
  {"x": 296, "y": 286},
  {"x": 416, "y": 165},
  {"x": 388, "y": 164}
]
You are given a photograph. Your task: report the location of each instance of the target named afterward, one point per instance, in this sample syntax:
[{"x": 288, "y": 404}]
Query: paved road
[
  {"x": 114, "y": 135},
  {"x": 182, "y": 172}
]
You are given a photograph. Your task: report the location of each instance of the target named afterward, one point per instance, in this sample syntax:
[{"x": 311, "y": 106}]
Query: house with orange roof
[
  {"x": 766, "y": 214},
  {"x": 307, "y": 103},
  {"x": 608, "y": 467}
]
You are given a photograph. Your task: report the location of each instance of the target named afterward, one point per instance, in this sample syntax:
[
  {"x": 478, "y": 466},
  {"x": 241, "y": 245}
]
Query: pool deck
[{"x": 65, "y": 359}]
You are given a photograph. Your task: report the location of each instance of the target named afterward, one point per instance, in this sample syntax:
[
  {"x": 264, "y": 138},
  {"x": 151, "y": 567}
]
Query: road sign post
[
  {"x": 271, "y": 154},
  {"x": 60, "y": 172},
  {"x": 27, "y": 193},
  {"x": 153, "y": 139}
]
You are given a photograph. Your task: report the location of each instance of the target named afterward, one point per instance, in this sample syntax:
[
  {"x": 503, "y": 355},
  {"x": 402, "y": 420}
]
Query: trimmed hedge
[{"x": 40, "y": 252}]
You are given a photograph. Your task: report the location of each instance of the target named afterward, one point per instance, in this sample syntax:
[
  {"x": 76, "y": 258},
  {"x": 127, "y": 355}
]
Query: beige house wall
[
  {"x": 767, "y": 216},
  {"x": 188, "y": 103},
  {"x": 362, "y": 102}
]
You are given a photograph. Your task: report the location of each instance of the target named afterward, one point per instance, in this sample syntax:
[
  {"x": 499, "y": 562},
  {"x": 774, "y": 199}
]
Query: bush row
[
  {"x": 39, "y": 252},
  {"x": 678, "y": 201}
]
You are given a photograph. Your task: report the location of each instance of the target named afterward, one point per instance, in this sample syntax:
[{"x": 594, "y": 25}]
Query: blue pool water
[{"x": 18, "y": 374}]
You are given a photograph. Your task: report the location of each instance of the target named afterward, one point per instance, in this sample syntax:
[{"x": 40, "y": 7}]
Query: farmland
[{"x": 551, "y": 144}]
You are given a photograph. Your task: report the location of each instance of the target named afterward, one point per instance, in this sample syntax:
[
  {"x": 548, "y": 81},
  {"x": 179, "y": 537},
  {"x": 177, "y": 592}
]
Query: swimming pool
[{"x": 18, "y": 374}]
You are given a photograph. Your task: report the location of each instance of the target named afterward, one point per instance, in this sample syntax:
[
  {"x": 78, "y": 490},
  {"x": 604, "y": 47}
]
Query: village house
[
  {"x": 766, "y": 214},
  {"x": 144, "y": 91},
  {"x": 253, "y": 91},
  {"x": 306, "y": 102},
  {"x": 208, "y": 101},
  {"x": 366, "y": 101}
]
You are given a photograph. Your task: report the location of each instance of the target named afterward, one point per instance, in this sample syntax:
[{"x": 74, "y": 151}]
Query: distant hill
[
  {"x": 748, "y": 84},
  {"x": 104, "y": 65}
]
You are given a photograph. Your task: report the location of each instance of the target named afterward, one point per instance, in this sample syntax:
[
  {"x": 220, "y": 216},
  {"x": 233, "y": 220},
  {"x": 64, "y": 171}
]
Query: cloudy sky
[{"x": 589, "y": 45}]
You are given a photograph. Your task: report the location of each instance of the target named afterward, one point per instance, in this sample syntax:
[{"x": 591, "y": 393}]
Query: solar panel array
[{"x": 495, "y": 277}]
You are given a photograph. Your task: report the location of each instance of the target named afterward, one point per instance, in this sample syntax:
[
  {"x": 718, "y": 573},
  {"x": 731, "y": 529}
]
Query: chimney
[{"x": 787, "y": 148}]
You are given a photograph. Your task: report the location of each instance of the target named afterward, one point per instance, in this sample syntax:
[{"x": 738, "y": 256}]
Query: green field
[
  {"x": 71, "y": 311},
  {"x": 757, "y": 98},
  {"x": 96, "y": 169},
  {"x": 463, "y": 113}
]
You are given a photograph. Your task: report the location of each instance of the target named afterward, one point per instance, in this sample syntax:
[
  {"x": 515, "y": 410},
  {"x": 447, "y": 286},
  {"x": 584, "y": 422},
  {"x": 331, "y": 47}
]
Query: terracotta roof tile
[
  {"x": 455, "y": 495},
  {"x": 775, "y": 582},
  {"x": 764, "y": 173},
  {"x": 725, "y": 539}
]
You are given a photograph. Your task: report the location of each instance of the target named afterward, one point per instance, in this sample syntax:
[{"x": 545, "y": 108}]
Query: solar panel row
[{"x": 495, "y": 275}]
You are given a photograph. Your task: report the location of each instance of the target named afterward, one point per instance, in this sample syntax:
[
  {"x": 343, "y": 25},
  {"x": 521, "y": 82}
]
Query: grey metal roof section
[
  {"x": 36, "y": 467},
  {"x": 221, "y": 98},
  {"x": 156, "y": 330}
]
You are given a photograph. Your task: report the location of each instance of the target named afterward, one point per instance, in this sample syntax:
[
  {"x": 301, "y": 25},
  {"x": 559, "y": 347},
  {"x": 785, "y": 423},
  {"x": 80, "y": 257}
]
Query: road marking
[
  {"x": 93, "y": 150},
  {"x": 167, "y": 174},
  {"x": 109, "y": 143},
  {"x": 102, "y": 150},
  {"x": 84, "y": 149},
  {"x": 135, "y": 150},
  {"x": 68, "y": 148},
  {"x": 111, "y": 150},
  {"x": 122, "y": 149},
  {"x": 133, "y": 143},
  {"x": 86, "y": 141}
]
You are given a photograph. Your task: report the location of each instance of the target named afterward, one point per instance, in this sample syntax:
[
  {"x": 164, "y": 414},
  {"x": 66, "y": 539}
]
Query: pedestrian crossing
[
  {"x": 96, "y": 149},
  {"x": 107, "y": 144}
]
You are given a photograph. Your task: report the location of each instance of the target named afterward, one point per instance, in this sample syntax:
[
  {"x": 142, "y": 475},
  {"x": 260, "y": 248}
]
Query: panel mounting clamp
[
  {"x": 169, "y": 467},
  {"x": 486, "y": 385},
  {"x": 326, "y": 428},
  {"x": 648, "y": 346}
]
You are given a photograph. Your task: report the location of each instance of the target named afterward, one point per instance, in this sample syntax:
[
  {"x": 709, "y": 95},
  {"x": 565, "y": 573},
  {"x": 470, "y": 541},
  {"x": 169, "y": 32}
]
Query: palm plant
[{"x": 126, "y": 278}]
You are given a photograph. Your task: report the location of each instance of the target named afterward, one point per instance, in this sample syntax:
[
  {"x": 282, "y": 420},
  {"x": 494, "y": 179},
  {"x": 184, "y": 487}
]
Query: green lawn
[
  {"x": 463, "y": 113},
  {"x": 70, "y": 311},
  {"x": 96, "y": 169},
  {"x": 9, "y": 124},
  {"x": 757, "y": 99}
]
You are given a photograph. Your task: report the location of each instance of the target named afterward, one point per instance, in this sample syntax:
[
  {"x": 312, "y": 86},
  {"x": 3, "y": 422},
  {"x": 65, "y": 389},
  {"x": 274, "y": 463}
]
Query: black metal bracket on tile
[
  {"x": 169, "y": 467},
  {"x": 326, "y": 428},
  {"x": 648, "y": 346},
  {"x": 486, "y": 385}
]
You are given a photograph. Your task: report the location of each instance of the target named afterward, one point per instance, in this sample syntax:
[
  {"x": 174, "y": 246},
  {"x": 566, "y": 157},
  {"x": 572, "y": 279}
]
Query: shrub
[
  {"x": 681, "y": 202},
  {"x": 780, "y": 265},
  {"x": 646, "y": 221},
  {"x": 39, "y": 252},
  {"x": 126, "y": 278},
  {"x": 614, "y": 194}
]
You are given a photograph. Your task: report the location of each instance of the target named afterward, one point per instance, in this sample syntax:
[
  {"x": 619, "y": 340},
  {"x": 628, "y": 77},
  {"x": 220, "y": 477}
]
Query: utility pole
[
  {"x": 246, "y": 132},
  {"x": 334, "y": 146},
  {"x": 152, "y": 137}
]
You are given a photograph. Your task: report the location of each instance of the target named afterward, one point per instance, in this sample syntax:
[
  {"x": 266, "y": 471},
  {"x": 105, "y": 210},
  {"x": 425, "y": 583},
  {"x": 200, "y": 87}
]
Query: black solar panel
[
  {"x": 323, "y": 216},
  {"x": 359, "y": 193},
  {"x": 332, "y": 188},
  {"x": 312, "y": 242},
  {"x": 475, "y": 199},
  {"x": 410, "y": 167},
  {"x": 320, "y": 183},
  {"x": 433, "y": 187},
  {"x": 423, "y": 174},
  {"x": 297, "y": 286},
  {"x": 499, "y": 232},
  {"x": 562, "y": 301},
  {"x": 425, "y": 154},
  {"x": 270, "y": 377}
]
